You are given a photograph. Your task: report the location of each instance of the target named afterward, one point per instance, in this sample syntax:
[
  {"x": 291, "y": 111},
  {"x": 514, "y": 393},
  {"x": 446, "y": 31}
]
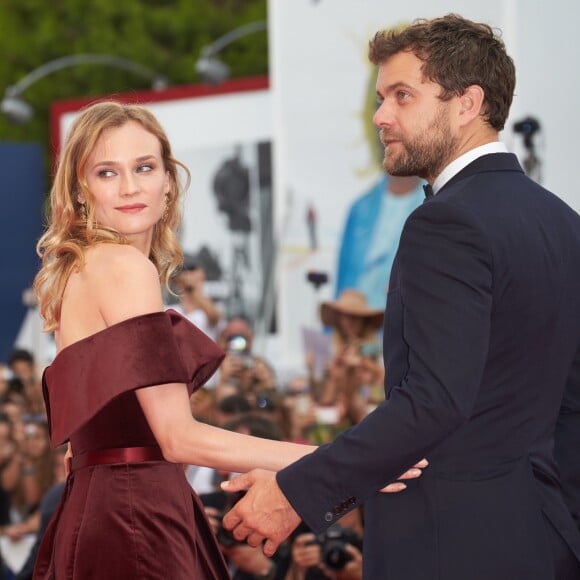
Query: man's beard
[{"x": 424, "y": 155}]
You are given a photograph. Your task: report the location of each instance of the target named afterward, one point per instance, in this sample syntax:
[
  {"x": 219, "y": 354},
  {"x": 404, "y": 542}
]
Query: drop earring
[
  {"x": 83, "y": 212},
  {"x": 166, "y": 210}
]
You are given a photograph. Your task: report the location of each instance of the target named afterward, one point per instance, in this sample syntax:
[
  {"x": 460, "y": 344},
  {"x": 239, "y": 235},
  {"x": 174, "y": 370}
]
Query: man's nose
[{"x": 383, "y": 115}]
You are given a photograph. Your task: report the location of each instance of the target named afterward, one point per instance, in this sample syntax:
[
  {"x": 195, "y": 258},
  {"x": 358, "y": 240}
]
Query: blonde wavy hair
[{"x": 72, "y": 228}]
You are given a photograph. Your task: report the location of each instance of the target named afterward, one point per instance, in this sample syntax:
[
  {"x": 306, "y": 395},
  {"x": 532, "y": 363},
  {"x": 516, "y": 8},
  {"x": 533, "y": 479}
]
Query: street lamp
[
  {"x": 18, "y": 111},
  {"x": 212, "y": 69}
]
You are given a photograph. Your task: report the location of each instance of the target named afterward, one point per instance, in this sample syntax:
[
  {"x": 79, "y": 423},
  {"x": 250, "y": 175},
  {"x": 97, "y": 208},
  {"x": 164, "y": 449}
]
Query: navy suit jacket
[{"x": 482, "y": 358}]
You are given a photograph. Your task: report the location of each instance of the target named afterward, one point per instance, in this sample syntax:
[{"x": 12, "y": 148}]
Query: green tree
[{"x": 164, "y": 35}]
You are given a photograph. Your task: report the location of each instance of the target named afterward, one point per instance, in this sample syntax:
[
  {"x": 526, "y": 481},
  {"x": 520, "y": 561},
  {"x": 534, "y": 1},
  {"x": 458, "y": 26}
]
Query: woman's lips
[{"x": 132, "y": 208}]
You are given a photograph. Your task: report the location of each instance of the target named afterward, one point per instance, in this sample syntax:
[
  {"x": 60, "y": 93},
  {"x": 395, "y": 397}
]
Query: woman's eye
[
  {"x": 105, "y": 173},
  {"x": 145, "y": 168}
]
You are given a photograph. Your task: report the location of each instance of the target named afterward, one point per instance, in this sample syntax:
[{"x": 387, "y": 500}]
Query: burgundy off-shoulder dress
[{"x": 132, "y": 518}]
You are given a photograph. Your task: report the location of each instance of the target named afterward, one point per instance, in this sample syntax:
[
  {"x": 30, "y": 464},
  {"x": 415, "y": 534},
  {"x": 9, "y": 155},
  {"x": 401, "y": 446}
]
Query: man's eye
[{"x": 402, "y": 95}]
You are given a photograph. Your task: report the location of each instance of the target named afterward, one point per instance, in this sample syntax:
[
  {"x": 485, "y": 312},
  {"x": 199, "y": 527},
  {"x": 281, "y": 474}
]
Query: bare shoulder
[
  {"x": 117, "y": 261},
  {"x": 125, "y": 281}
]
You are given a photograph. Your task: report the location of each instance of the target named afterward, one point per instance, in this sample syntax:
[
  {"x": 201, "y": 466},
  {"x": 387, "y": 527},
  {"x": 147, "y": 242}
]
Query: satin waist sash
[{"x": 116, "y": 455}]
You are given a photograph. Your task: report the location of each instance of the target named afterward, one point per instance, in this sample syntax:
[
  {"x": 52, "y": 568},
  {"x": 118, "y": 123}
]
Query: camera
[
  {"x": 527, "y": 127},
  {"x": 333, "y": 543},
  {"x": 237, "y": 345},
  {"x": 371, "y": 349},
  {"x": 317, "y": 278}
]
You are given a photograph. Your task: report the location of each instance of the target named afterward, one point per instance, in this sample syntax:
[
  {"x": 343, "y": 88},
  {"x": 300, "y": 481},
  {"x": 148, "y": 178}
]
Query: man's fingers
[
  {"x": 255, "y": 539},
  {"x": 270, "y": 547},
  {"x": 238, "y": 483},
  {"x": 232, "y": 519},
  {"x": 241, "y": 532}
]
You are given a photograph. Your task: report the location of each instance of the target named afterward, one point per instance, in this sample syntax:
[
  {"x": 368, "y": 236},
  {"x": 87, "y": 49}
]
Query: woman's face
[
  {"x": 351, "y": 327},
  {"x": 128, "y": 181}
]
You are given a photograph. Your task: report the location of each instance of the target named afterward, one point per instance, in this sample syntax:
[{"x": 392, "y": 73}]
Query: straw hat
[{"x": 354, "y": 303}]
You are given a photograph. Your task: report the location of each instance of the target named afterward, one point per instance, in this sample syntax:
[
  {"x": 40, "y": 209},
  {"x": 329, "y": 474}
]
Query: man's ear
[{"x": 472, "y": 103}]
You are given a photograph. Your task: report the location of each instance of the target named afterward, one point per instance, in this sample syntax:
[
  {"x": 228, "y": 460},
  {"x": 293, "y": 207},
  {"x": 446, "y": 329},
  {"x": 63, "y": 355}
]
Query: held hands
[{"x": 264, "y": 513}]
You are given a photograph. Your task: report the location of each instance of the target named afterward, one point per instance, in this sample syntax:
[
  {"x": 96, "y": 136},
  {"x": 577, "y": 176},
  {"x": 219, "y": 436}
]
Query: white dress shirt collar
[{"x": 464, "y": 160}]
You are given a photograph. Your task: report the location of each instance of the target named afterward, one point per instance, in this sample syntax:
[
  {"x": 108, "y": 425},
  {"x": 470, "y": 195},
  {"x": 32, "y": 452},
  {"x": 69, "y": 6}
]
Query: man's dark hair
[{"x": 456, "y": 53}]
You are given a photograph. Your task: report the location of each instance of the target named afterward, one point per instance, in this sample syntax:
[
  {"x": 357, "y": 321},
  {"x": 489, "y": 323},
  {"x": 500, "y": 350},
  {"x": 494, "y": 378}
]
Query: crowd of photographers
[
  {"x": 29, "y": 467},
  {"x": 313, "y": 406},
  {"x": 245, "y": 395}
]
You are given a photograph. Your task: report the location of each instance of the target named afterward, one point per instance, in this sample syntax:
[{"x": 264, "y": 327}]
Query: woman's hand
[{"x": 412, "y": 473}]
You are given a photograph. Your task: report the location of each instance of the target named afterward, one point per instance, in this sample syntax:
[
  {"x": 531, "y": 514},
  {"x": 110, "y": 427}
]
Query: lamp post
[
  {"x": 212, "y": 69},
  {"x": 18, "y": 111}
]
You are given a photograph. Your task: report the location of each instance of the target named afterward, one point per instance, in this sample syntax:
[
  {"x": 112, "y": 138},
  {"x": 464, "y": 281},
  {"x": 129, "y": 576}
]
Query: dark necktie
[{"x": 428, "y": 190}]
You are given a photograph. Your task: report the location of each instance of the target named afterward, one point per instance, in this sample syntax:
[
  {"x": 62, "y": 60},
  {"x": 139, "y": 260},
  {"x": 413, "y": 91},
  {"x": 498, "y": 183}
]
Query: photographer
[
  {"x": 194, "y": 303},
  {"x": 245, "y": 562},
  {"x": 241, "y": 367},
  {"x": 352, "y": 384},
  {"x": 23, "y": 367},
  {"x": 335, "y": 554}
]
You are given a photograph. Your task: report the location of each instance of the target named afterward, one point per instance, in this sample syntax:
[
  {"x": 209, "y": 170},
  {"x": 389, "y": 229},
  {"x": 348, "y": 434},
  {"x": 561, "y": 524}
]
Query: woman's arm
[
  {"x": 127, "y": 285},
  {"x": 184, "y": 440}
]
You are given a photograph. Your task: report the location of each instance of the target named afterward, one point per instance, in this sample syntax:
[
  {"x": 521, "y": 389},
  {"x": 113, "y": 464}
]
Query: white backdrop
[{"x": 319, "y": 80}]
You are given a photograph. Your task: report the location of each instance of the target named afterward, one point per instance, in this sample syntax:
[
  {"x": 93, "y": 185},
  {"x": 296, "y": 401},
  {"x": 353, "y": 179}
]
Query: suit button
[{"x": 328, "y": 516}]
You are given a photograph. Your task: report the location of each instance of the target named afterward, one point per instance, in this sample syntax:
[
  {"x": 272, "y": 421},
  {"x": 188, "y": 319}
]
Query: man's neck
[
  {"x": 464, "y": 160},
  {"x": 482, "y": 136}
]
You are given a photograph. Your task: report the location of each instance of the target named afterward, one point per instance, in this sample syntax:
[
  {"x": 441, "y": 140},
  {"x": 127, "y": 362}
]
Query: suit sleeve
[{"x": 445, "y": 269}]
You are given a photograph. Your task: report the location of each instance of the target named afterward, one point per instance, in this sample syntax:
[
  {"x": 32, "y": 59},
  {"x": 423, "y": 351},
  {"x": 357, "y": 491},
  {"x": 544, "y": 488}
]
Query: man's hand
[{"x": 264, "y": 513}]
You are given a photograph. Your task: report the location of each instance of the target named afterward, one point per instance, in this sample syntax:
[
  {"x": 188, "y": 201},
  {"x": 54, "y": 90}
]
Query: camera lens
[
  {"x": 333, "y": 546},
  {"x": 237, "y": 343},
  {"x": 335, "y": 555}
]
